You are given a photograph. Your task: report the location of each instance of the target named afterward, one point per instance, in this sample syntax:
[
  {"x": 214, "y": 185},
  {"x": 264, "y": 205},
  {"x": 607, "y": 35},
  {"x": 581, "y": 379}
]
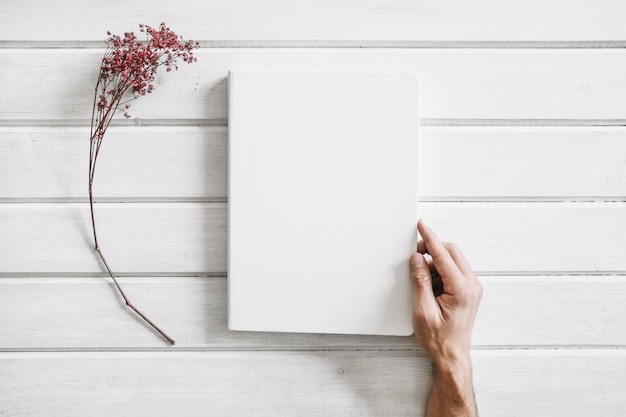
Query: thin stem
[
  {"x": 93, "y": 155},
  {"x": 129, "y": 304},
  {"x": 93, "y": 218},
  {"x": 106, "y": 265}
]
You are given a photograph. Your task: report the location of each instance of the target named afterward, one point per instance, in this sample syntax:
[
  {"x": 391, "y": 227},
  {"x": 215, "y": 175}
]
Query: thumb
[{"x": 422, "y": 281}]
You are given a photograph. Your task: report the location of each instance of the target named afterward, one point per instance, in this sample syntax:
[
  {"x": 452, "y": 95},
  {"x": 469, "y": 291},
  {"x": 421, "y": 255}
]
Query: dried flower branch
[{"x": 127, "y": 72}]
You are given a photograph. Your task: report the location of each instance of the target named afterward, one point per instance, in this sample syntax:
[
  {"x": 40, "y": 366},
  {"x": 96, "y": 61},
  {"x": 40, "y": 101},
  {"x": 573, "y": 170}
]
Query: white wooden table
[{"x": 522, "y": 163}]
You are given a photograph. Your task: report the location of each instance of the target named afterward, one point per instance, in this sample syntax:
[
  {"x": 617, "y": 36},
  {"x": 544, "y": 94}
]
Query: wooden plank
[
  {"x": 557, "y": 310},
  {"x": 146, "y": 162},
  {"x": 534, "y": 236},
  {"x": 456, "y": 84},
  {"x": 134, "y": 237},
  {"x": 224, "y": 20},
  {"x": 530, "y": 162},
  {"x": 191, "y": 162},
  {"x": 87, "y": 313},
  {"x": 190, "y": 238},
  {"x": 548, "y": 383},
  {"x": 512, "y": 383}
]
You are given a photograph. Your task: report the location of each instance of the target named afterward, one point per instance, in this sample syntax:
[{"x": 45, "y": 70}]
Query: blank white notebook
[{"x": 322, "y": 201}]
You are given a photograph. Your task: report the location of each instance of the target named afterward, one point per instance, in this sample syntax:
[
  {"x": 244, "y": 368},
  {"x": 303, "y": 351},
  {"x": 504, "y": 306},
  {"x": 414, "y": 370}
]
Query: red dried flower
[{"x": 130, "y": 65}]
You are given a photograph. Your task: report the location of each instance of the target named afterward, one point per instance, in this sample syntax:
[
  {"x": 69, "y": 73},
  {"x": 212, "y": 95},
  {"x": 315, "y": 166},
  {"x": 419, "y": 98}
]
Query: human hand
[{"x": 444, "y": 306}]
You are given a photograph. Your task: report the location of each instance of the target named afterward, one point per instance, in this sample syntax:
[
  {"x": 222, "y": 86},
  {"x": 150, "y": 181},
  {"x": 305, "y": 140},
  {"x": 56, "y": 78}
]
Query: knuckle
[
  {"x": 475, "y": 291},
  {"x": 419, "y": 314},
  {"x": 423, "y": 316},
  {"x": 420, "y": 317},
  {"x": 453, "y": 248},
  {"x": 461, "y": 294},
  {"x": 470, "y": 293},
  {"x": 420, "y": 279}
]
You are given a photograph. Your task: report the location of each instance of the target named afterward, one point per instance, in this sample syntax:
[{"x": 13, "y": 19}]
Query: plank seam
[
  {"x": 104, "y": 275},
  {"x": 224, "y": 274},
  {"x": 138, "y": 122},
  {"x": 284, "y": 349},
  {"x": 135, "y": 122},
  {"x": 358, "y": 44},
  {"x": 114, "y": 200},
  {"x": 529, "y": 199},
  {"x": 222, "y": 200}
]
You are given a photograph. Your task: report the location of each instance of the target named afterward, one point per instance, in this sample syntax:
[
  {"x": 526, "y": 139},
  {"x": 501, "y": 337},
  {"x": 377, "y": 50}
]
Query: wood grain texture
[
  {"x": 134, "y": 237},
  {"x": 146, "y": 162},
  {"x": 512, "y": 383},
  {"x": 191, "y": 162},
  {"x": 484, "y": 62},
  {"x": 573, "y": 163},
  {"x": 87, "y": 313},
  {"x": 456, "y": 84},
  {"x": 280, "y": 20},
  {"x": 533, "y": 237},
  {"x": 190, "y": 238}
]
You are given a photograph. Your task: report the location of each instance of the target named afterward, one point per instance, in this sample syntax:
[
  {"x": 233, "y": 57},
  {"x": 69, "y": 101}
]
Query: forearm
[{"x": 452, "y": 393}]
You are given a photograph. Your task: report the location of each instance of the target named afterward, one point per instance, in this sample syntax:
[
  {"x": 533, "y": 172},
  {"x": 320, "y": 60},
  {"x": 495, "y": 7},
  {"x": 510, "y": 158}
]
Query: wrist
[
  {"x": 452, "y": 364},
  {"x": 452, "y": 392}
]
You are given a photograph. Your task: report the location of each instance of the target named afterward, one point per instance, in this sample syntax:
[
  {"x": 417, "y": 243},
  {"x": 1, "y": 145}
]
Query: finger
[
  {"x": 421, "y": 247},
  {"x": 459, "y": 259},
  {"x": 437, "y": 283},
  {"x": 431, "y": 267},
  {"x": 422, "y": 282},
  {"x": 441, "y": 257}
]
